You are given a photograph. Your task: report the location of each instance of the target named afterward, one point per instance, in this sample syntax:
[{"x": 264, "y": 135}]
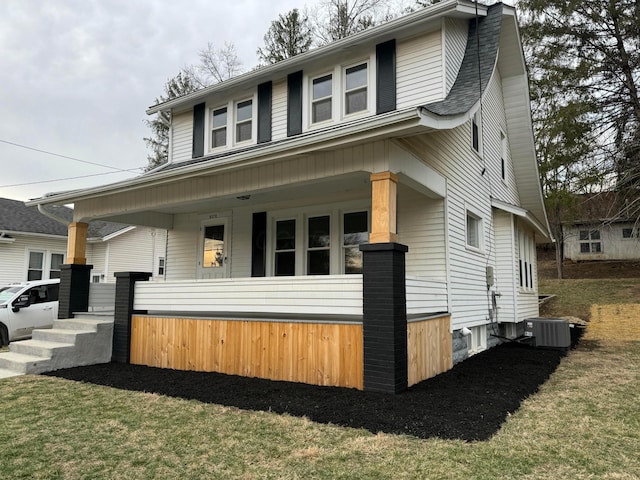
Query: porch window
[
  {"x": 355, "y": 232},
  {"x": 36, "y": 266},
  {"x": 319, "y": 245},
  {"x": 590, "y": 241},
  {"x": 321, "y": 101},
  {"x": 285, "y": 252},
  {"x": 244, "y": 116},
  {"x": 355, "y": 96},
  {"x": 219, "y": 128},
  {"x": 57, "y": 259}
]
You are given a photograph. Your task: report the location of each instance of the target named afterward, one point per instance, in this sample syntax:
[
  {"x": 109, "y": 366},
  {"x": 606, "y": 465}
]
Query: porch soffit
[{"x": 416, "y": 174}]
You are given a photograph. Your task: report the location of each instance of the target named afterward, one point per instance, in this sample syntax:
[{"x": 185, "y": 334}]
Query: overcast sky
[{"x": 78, "y": 75}]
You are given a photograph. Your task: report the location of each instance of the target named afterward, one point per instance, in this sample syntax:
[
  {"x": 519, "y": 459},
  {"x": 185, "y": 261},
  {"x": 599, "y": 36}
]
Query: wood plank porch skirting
[{"x": 329, "y": 354}]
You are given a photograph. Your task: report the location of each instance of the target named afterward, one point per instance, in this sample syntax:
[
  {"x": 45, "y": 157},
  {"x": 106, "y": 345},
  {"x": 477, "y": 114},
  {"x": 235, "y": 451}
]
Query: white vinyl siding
[
  {"x": 456, "y": 32},
  {"x": 182, "y": 141},
  {"x": 421, "y": 225},
  {"x": 279, "y": 111},
  {"x": 241, "y": 223},
  {"x": 14, "y": 256},
  {"x": 419, "y": 70},
  {"x": 505, "y": 266},
  {"x": 182, "y": 248},
  {"x": 98, "y": 256}
]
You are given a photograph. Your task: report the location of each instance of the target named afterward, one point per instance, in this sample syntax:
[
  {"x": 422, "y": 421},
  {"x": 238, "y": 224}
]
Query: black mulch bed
[{"x": 469, "y": 402}]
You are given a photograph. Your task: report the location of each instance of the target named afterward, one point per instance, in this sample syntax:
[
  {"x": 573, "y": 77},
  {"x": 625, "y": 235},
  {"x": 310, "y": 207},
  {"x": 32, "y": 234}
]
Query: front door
[{"x": 214, "y": 250}]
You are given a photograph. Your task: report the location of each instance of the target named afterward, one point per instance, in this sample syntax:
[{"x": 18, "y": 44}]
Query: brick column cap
[{"x": 382, "y": 247}]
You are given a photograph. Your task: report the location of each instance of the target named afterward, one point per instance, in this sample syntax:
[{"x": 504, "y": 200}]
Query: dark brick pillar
[
  {"x": 385, "y": 317},
  {"x": 74, "y": 289},
  {"x": 125, "y": 283}
]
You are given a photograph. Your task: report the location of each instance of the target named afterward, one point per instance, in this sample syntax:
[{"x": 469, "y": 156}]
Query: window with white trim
[
  {"x": 590, "y": 241},
  {"x": 503, "y": 156},
  {"x": 319, "y": 245},
  {"x": 475, "y": 132},
  {"x": 219, "y": 127},
  {"x": 57, "y": 259},
  {"x": 35, "y": 270},
  {"x": 161, "y": 265},
  {"x": 321, "y": 98},
  {"x": 285, "y": 248},
  {"x": 355, "y": 228},
  {"x": 477, "y": 341},
  {"x": 244, "y": 121},
  {"x": 355, "y": 92},
  {"x": 526, "y": 258},
  {"x": 630, "y": 233},
  {"x": 474, "y": 230}
]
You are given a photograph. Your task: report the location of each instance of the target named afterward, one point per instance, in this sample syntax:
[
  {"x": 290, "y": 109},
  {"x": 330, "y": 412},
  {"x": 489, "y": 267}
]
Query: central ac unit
[{"x": 548, "y": 332}]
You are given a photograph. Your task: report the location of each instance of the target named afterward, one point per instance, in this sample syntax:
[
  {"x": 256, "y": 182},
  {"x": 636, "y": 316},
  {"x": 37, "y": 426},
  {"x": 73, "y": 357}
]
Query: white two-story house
[{"x": 413, "y": 137}]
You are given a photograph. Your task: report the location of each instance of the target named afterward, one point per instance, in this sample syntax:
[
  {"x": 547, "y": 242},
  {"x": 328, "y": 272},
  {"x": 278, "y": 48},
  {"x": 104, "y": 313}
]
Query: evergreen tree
[{"x": 288, "y": 36}]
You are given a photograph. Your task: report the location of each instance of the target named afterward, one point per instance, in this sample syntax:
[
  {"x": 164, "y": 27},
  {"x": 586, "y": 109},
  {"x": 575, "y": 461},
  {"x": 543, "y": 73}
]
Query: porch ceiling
[{"x": 338, "y": 188}]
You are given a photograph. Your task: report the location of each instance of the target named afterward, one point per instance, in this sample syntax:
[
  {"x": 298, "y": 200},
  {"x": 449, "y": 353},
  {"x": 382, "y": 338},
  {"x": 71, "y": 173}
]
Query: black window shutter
[
  {"x": 386, "y": 77},
  {"x": 259, "y": 245},
  {"x": 264, "y": 112},
  {"x": 197, "y": 149},
  {"x": 294, "y": 104}
]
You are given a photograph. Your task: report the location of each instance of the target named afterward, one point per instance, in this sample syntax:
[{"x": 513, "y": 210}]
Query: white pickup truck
[{"x": 25, "y": 306}]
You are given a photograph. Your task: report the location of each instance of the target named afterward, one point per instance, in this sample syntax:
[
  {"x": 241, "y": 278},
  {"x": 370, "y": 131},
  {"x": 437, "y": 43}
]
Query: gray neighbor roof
[{"x": 15, "y": 216}]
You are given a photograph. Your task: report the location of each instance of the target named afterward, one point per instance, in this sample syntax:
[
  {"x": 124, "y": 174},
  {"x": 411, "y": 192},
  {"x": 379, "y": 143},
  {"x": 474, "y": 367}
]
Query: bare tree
[
  {"x": 288, "y": 36},
  {"x": 336, "y": 19}
]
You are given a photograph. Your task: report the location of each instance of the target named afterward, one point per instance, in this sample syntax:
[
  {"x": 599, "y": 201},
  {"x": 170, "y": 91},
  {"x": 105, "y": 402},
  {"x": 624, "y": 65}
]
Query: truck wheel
[{"x": 4, "y": 335}]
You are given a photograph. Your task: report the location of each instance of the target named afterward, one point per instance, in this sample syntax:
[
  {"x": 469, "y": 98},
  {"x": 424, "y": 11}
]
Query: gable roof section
[
  {"x": 15, "y": 216},
  {"x": 472, "y": 79}
]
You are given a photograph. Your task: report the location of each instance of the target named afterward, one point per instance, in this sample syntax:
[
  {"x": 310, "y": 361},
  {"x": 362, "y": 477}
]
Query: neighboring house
[
  {"x": 293, "y": 192},
  {"x": 602, "y": 230},
  {"x": 33, "y": 245}
]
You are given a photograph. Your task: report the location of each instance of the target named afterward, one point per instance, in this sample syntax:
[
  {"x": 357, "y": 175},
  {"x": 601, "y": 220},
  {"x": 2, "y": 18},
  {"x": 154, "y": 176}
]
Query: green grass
[
  {"x": 584, "y": 423},
  {"x": 575, "y": 297}
]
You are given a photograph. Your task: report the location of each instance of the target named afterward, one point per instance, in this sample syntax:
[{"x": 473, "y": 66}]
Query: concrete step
[
  {"x": 21, "y": 363},
  {"x": 40, "y": 348},
  {"x": 85, "y": 324},
  {"x": 59, "y": 335},
  {"x": 4, "y": 373}
]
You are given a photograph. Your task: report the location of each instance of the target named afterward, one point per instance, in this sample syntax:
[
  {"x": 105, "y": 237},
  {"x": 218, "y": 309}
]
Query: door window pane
[{"x": 213, "y": 255}]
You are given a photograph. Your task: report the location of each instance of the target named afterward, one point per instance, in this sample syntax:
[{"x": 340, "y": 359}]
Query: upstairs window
[
  {"x": 244, "y": 116},
  {"x": 321, "y": 104},
  {"x": 355, "y": 95},
  {"x": 475, "y": 132},
  {"x": 219, "y": 128},
  {"x": 590, "y": 241},
  {"x": 503, "y": 156}
]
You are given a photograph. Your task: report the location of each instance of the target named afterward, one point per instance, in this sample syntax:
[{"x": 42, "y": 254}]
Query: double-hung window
[
  {"x": 355, "y": 232},
  {"x": 36, "y": 266},
  {"x": 474, "y": 230},
  {"x": 355, "y": 94},
  {"x": 219, "y": 128},
  {"x": 321, "y": 104},
  {"x": 590, "y": 241},
  {"x": 57, "y": 259},
  {"x": 244, "y": 116},
  {"x": 285, "y": 251},
  {"x": 475, "y": 132},
  {"x": 319, "y": 245},
  {"x": 630, "y": 233}
]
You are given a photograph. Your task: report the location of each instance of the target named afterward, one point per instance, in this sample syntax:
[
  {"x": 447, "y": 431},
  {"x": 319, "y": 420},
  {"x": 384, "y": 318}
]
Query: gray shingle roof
[
  {"x": 466, "y": 90},
  {"x": 15, "y": 216}
]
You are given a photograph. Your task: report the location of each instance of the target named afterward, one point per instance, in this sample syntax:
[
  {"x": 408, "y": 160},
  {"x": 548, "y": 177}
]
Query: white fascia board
[
  {"x": 380, "y": 33},
  {"x": 360, "y": 130},
  {"x": 118, "y": 233},
  {"x": 522, "y": 213},
  {"x": 39, "y": 235}
]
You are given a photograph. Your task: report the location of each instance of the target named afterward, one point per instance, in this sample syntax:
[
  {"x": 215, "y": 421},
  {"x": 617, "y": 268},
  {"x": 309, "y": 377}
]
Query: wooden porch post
[
  {"x": 384, "y": 322},
  {"x": 75, "y": 273},
  {"x": 77, "y": 243},
  {"x": 383, "y": 207}
]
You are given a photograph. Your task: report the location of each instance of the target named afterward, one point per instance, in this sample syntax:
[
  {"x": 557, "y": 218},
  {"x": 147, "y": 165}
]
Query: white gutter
[
  {"x": 52, "y": 216},
  {"x": 302, "y": 144},
  {"x": 383, "y": 32}
]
